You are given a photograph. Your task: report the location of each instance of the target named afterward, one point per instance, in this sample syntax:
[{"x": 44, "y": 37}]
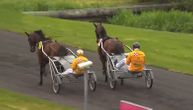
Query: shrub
[
  {"x": 174, "y": 21},
  {"x": 183, "y": 4}
]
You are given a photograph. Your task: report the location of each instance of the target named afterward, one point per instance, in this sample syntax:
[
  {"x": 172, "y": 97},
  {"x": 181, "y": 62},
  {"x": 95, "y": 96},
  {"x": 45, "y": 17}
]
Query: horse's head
[
  {"x": 100, "y": 31},
  {"x": 34, "y": 38}
]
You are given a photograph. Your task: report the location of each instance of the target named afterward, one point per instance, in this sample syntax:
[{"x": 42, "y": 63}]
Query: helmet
[
  {"x": 79, "y": 52},
  {"x": 136, "y": 45}
]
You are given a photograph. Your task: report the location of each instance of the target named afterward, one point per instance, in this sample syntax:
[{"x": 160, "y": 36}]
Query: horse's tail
[
  {"x": 63, "y": 50},
  {"x": 114, "y": 46},
  {"x": 119, "y": 47}
]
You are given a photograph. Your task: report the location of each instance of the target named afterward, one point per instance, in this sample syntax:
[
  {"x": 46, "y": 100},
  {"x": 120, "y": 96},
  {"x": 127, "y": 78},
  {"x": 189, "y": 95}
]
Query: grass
[
  {"x": 15, "y": 101},
  {"x": 163, "y": 49},
  {"x": 37, "y": 5}
]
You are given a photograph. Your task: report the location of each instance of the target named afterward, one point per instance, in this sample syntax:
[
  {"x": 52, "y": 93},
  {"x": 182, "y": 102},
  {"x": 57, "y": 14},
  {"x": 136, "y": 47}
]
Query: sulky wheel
[
  {"x": 56, "y": 84},
  {"x": 55, "y": 80},
  {"x": 92, "y": 81},
  {"x": 148, "y": 78},
  {"x": 111, "y": 75}
]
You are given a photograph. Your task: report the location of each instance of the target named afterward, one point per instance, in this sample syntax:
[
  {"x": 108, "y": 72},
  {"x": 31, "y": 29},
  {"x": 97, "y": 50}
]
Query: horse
[
  {"x": 111, "y": 45},
  {"x": 51, "y": 48}
]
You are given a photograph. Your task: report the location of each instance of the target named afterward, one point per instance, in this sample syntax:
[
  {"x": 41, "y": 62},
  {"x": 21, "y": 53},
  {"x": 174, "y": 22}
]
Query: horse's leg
[
  {"x": 103, "y": 61},
  {"x": 42, "y": 70},
  {"x": 42, "y": 62}
]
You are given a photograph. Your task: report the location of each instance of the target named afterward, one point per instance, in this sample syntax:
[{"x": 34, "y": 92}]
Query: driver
[
  {"x": 74, "y": 66},
  {"x": 135, "y": 60}
]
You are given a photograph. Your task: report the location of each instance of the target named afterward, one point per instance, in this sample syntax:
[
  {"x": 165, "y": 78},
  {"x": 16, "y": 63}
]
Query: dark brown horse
[
  {"x": 111, "y": 45},
  {"x": 50, "y": 47}
]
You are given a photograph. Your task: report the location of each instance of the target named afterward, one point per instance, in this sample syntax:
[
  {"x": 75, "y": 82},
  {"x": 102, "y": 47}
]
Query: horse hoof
[
  {"x": 105, "y": 74},
  {"x": 45, "y": 74},
  {"x": 40, "y": 84},
  {"x": 106, "y": 80}
]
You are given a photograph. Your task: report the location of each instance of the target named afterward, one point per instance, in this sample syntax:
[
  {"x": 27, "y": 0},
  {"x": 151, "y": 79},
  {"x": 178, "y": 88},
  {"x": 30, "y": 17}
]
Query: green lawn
[
  {"x": 15, "y": 101},
  {"x": 163, "y": 49}
]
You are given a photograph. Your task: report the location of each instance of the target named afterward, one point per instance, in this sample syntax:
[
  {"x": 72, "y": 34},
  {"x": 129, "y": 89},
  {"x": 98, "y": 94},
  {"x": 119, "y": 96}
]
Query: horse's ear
[
  {"x": 95, "y": 25},
  {"x": 27, "y": 34}
]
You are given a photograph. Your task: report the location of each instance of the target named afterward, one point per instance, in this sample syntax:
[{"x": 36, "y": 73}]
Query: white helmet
[{"x": 79, "y": 52}]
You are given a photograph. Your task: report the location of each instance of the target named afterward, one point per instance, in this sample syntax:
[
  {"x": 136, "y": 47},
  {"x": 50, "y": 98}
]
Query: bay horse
[
  {"x": 111, "y": 45},
  {"x": 51, "y": 48}
]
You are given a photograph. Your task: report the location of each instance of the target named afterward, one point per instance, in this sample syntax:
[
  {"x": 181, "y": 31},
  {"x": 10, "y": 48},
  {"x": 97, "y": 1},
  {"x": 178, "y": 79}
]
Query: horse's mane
[
  {"x": 103, "y": 32},
  {"x": 106, "y": 38},
  {"x": 42, "y": 35},
  {"x": 62, "y": 50},
  {"x": 104, "y": 35}
]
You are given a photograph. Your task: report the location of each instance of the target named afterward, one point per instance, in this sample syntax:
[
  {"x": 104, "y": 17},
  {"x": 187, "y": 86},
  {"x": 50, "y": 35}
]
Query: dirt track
[{"x": 19, "y": 72}]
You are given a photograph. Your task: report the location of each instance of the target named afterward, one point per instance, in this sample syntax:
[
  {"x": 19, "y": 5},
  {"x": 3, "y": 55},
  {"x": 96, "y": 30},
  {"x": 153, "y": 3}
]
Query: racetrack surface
[{"x": 19, "y": 71}]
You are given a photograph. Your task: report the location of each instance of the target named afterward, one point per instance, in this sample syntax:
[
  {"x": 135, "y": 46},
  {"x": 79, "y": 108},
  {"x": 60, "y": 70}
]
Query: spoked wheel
[
  {"x": 148, "y": 78},
  {"x": 92, "y": 81},
  {"x": 55, "y": 80},
  {"x": 56, "y": 84},
  {"x": 111, "y": 75}
]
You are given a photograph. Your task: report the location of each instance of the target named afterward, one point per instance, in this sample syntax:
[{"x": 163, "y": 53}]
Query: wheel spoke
[
  {"x": 92, "y": 81},
  {"x": 111, "y": 75},
  {"x": 55, "y": 80},
  {"x": 149, "y": 79}
]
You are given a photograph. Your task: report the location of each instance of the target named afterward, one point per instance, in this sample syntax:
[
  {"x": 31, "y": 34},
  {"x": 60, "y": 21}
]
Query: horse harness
[
  {"x": 41, "y": 44},
  {"x": 102, "y": 40}
]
